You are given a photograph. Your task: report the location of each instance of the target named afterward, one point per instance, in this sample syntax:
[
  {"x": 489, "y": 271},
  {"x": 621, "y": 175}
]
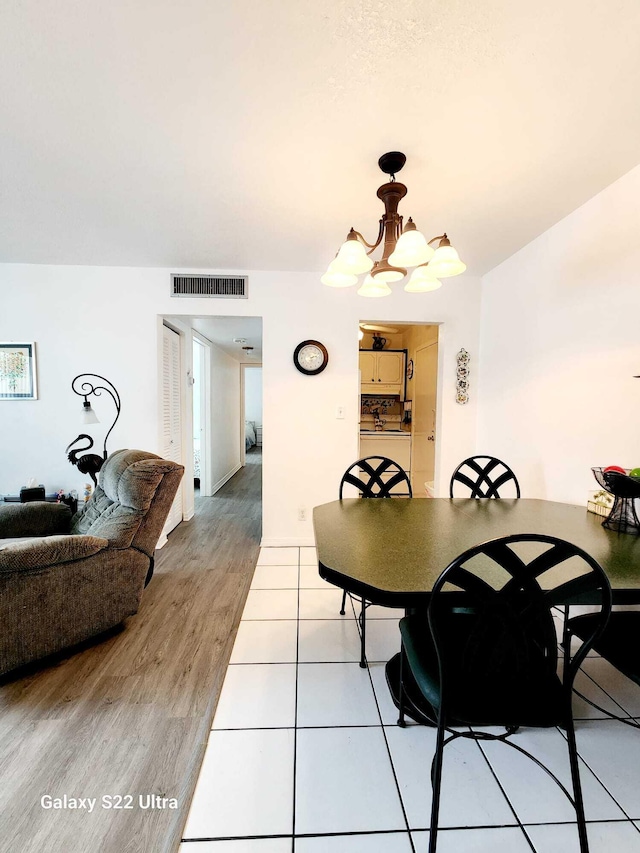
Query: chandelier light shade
[
  {"x": 389, "y": 274},
  {"x": 402, "y": 248},
  {"x": 422, "y": 280},
  {"x": 334, "y": 278},
  {"x": 445, "y": 261},
  {"x": 374, "y": 287},
  {"x": 411, "y": 249},
  {"x": 352, "y": 258}
]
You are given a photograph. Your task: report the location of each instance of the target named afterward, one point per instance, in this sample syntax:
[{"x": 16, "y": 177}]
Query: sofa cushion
[
  {"x": 39, "y": 552},
  {"x": 131, "y": 477},
  {"x": 36, "y": 518},
  {"x": 126, "y": 488},
  {"x": 108, "y": 519}
]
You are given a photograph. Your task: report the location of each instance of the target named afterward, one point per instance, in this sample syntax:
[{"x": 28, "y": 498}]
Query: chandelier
[{"x": 403, "y": 248}]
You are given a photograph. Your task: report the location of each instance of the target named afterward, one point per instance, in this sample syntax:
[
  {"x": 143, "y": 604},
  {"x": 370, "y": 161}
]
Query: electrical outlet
[
  {"x": 340, "y": 412},
  {"x": 302, "y": 514}
]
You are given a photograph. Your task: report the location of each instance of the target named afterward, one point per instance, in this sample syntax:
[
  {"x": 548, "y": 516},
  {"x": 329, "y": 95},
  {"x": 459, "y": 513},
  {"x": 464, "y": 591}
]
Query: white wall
[
  {"x": 560, "y": 343},
  {"x": 224, "y": 452},
  {"x": 253, "y": 394},
  {"x": 108, "y": 321}
]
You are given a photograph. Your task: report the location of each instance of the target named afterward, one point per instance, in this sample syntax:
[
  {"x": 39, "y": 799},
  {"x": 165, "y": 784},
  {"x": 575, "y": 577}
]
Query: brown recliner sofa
[{"x": 64, "y": 579}]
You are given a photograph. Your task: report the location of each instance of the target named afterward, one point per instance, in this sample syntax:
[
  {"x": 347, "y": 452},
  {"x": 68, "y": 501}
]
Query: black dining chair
[
  {"x": 485, "y": 652},
  {"x": 618, "y": 645},
  {"x": 483, "y": 477},
  {"x": 374, "y": 477}
]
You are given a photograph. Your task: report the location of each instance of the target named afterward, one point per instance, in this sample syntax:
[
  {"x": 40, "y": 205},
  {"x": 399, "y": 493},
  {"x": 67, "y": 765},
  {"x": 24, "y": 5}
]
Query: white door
[
  {"x": 425, "y": 377},
  {"x": 171, "y": 414}
]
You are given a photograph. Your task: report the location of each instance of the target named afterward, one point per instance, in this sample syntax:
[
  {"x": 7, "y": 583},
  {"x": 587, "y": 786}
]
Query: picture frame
[{"x": 18, "y": 376}]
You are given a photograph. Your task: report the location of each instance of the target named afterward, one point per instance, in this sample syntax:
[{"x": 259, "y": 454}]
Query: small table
[{"x": 391, "y": 552}]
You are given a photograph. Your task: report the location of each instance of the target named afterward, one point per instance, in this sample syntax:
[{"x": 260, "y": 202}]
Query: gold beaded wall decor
[{"x": 462, "y": 377}]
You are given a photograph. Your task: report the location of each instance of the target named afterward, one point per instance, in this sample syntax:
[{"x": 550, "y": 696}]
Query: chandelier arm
[
  {"x": 372, "y": 246},
  {"x": 433, "y": 239},
  {"x": 380, "y": 236}
]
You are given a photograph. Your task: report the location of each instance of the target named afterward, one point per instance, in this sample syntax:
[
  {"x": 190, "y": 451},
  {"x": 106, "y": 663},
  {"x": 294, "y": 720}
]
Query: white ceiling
[
  {"x": 245, "y": 135},
  {"x": 222, "y": 330}
]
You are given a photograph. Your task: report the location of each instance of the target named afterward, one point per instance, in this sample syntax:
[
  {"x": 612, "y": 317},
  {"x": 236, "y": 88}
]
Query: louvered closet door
[{"x": 171, "y": 414}]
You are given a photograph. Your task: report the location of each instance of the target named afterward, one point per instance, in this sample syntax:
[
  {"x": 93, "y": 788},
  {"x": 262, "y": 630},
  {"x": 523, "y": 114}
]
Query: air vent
[{"x": 227, "y": 287}]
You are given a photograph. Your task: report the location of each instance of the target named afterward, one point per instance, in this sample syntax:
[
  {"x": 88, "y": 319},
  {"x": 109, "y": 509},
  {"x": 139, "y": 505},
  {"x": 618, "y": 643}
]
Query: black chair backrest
[
  {"x": 498, "y": 631},
  {"x": 483, "y": 476},
  {"x": 375, "y": 483}
]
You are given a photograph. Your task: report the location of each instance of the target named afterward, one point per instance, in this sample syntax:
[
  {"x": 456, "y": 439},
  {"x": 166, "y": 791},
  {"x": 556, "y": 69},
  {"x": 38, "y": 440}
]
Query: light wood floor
[{"x": 131, "y": 714}]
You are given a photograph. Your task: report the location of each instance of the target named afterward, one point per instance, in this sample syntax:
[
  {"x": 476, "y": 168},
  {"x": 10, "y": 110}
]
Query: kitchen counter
[{"x": 385, "y": 433}]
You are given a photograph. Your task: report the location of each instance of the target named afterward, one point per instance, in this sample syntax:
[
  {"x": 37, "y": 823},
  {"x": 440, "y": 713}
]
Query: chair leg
[
  {"x": 401, "y": 720},
  {"x": 436, "y": 781},
  {"x": 363, "y": 634},
  {"x": 344, "y": 600},
  {"x": 566, "y": 634},
  {"x": 577, "y": 786}
]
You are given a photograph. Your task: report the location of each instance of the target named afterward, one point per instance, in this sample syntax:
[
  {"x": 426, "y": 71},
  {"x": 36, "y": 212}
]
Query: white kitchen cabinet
[
  {"x": 368, "y": 363},
  {"x": 397, "y": 447},
  {"x": 382, "y": 372}
]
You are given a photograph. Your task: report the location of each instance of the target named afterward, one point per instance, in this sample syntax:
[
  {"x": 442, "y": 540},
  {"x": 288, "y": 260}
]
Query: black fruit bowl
[
  {"x": 623, "y": 517},
  {"x": 620, "y": 485}
]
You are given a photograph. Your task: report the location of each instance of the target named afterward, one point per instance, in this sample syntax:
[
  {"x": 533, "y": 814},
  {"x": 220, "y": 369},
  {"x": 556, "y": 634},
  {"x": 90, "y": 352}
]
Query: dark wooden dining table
[{"x": 391, "y": 552}]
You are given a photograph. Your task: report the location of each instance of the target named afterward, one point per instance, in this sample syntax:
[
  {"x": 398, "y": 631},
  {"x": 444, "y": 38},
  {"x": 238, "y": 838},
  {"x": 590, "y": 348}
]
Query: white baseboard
[
  {"x": 225, "y": 479},
  {"x": 188, "y": 515},
  {"x": 288, "y": 542}
]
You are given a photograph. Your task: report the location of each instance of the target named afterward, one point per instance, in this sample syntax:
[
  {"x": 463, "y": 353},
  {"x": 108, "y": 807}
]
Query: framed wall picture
[{"x": 18, "y": 372}]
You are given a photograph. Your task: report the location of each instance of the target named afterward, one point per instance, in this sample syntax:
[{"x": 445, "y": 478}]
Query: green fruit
[{"x": 635, "y": 473}]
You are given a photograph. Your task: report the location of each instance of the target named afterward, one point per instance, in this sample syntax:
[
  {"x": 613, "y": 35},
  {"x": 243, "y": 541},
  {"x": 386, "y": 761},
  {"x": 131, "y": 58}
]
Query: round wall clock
[{"x": 311, "y": 357}]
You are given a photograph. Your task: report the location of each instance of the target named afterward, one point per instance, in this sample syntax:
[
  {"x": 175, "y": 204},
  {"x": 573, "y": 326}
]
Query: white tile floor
[{"x": 305, "y": 755}]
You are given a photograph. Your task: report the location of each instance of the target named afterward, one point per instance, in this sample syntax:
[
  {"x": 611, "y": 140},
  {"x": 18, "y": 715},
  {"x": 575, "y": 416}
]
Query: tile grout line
[
  {"x": 582, "y": 759},
  {"x": 606, "y": 693},
  {"x": 372, "y": 832},
  {"x": 386, "y": 742},
  {"x": 506, "y": 796},
  {"x": 295, "y": 718}
]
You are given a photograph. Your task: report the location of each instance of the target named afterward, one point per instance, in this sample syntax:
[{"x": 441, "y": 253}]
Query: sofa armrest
[
  {"x": 42, "y": 552},
  {"x": 36, "y": 518}
]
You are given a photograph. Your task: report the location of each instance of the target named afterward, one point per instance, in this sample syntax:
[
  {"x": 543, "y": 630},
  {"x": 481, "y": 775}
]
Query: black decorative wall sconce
[{"x": 83, "y": 385}]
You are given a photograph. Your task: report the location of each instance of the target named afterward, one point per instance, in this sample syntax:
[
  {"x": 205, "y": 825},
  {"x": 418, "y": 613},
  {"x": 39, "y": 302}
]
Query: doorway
[
  {"x": 252, "y": 409},
  {"x": 398, "y": 393}
]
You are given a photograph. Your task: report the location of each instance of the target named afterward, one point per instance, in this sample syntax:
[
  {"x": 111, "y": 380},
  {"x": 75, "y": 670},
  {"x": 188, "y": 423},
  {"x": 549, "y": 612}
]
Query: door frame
[
  {"x": 206, "y": 450},
  {"x": 186, "y": 408},
  {"x": 182, "y": 491},
  {"x": 243, "y": 367}
]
